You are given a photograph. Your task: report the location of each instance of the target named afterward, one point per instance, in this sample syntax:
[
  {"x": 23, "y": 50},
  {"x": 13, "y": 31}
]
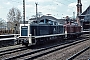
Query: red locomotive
[{"x": 72, "y": 28}]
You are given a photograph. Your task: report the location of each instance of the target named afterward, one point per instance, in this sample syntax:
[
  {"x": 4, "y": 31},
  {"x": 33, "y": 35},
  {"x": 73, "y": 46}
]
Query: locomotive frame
[
  {"x": 39, "y": 33},
  {"x": 31, "y": 34}
]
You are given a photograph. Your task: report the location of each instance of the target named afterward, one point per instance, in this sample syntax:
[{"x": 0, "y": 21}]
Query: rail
[
  {"x": 9, "y": 39},
  {"x": 75, "y": 55}
]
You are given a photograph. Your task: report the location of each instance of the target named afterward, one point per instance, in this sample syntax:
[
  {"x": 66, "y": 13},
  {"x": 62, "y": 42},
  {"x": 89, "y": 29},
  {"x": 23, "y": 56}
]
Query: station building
[{"x": 85, "y": 19}]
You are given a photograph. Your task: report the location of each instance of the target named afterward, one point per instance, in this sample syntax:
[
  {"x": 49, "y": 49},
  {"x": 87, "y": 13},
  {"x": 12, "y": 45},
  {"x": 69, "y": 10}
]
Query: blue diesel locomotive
[{"x": 41, "y": 31}]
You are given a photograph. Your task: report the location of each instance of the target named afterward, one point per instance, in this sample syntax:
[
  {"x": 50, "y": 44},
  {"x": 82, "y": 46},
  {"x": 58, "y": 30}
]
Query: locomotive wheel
[{"x": 26, "y": 45}]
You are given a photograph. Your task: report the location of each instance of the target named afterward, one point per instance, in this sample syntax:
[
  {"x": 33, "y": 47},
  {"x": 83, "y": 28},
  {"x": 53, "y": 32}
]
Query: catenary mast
[
  {"x": 23, "y": 11},
  {"x": 36, "y": 11}
]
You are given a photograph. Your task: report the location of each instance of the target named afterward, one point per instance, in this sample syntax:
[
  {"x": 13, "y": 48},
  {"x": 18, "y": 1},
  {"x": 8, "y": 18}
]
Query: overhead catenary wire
[
  {"x": 50, "y": 9},
  {"x": 28, "y": 4},
  {"x": 16, "y": 1},
  {"x": 69, "y": 1}
]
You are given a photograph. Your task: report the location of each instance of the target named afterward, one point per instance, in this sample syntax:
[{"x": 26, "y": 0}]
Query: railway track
[
  {"x": 7, "y": 40},
  {"x": 67, "y": 53},
  {"x": 78, "y": 53},
  {"x": 33, "y": 54},
  {"x": 9, "y": 48},
  {"x": 85, "y": 55},
  {"x": 9, "y": 51}
]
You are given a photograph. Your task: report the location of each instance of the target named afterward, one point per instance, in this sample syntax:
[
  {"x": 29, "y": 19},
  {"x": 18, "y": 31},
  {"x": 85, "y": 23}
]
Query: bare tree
[
  {"x": 14, "y": 18},
  {"x": 2, "y": 24}
]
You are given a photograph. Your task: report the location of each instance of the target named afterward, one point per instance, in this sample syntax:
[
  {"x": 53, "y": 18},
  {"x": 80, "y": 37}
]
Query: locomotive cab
[{"x": 25, "y": 36}]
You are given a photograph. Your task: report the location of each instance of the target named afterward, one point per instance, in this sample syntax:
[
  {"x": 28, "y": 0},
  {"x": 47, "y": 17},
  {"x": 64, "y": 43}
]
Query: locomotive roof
[
  {"x": 61, "y": 21},
  {"x": 45, "y": 21}
]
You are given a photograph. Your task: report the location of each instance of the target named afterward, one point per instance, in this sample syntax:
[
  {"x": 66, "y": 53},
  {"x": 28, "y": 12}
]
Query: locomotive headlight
[{"x": 26, "y": 41}]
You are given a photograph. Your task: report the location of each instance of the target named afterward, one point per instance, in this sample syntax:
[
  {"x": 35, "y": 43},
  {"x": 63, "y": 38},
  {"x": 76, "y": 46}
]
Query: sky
[{"x": 57, "y": 8}]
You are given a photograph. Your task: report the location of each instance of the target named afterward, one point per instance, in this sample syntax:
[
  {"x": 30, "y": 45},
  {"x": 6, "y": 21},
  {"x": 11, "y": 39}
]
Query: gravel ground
[
  {"x": 84, "y": 56},
  {"x": 24, "y": 51},
  {"x": 63, "y": 54},
  {"x": 10, "y": 47},
  {"x": 59, "y": 55}
]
